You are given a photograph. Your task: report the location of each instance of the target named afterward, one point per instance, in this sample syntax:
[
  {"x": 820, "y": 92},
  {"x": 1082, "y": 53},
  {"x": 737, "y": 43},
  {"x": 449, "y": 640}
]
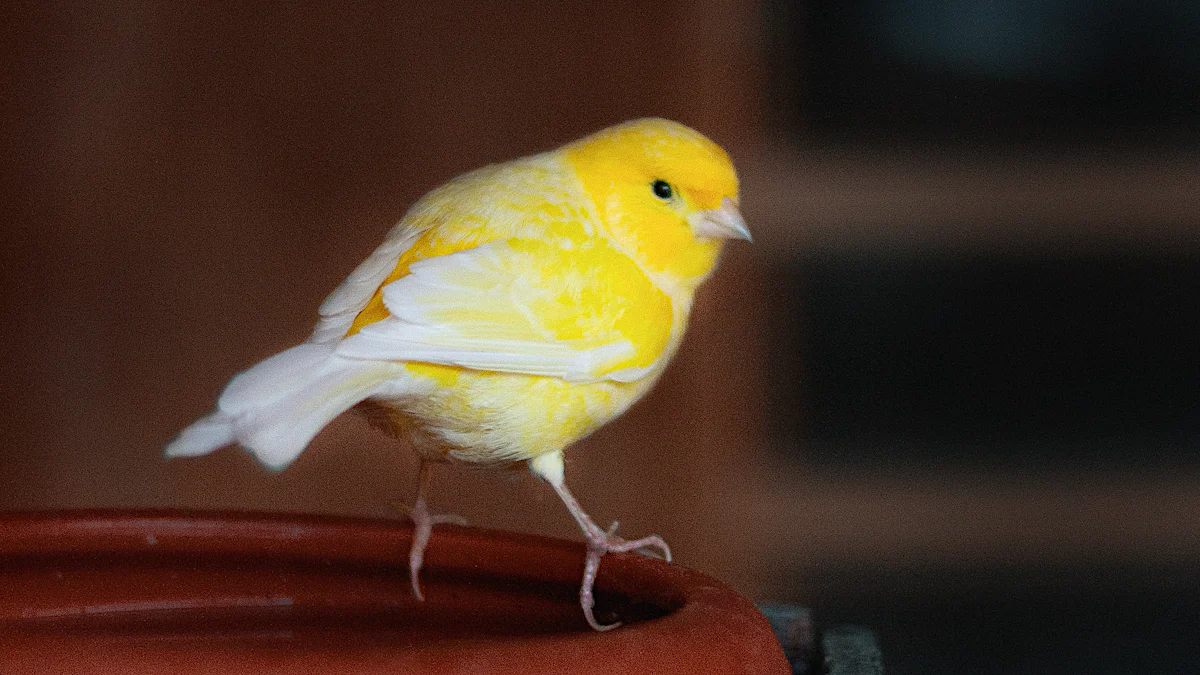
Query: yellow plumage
[{"x": 511, "y": 312}]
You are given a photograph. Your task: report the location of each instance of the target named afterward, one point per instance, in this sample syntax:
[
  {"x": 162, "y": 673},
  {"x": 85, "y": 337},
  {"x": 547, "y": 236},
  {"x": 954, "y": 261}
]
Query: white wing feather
[
  {"x": 467, "y": 309},
  {"x": 347, "y": 300}
]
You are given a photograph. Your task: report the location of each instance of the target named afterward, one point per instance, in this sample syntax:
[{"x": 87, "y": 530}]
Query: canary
[{"x": 511, "y": 312}]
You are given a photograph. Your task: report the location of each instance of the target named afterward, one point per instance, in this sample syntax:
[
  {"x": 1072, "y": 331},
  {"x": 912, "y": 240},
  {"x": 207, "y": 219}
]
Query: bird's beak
[{"x": 723, "y": 223}]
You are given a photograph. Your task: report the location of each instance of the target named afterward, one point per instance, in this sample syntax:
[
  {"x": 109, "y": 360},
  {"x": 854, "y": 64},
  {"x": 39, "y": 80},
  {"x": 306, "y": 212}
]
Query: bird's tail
[{"x": 275, "y": 408}]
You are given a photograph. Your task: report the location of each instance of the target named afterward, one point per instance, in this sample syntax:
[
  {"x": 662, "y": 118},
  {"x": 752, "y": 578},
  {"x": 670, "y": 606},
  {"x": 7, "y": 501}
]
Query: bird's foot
[
  {"x": 423, "y": 522},
  {"x": 607, "y": 541}
]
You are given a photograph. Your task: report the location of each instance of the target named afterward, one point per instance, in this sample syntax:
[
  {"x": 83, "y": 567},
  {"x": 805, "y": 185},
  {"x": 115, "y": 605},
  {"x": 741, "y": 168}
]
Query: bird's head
[{"x": 664, "y": 192}]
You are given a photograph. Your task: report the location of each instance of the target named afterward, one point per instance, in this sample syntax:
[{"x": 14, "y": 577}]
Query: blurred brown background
[{"x": 183, "y": 184}]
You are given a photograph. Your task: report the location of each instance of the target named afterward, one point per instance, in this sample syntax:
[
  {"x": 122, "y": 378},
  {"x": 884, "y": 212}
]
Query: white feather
[
  {"x": 273, "y": 378},
  {"x": 279, "y": 432},
  {"x": 202, "y": 437},
  {"x": 396, "y": 340},
  {"x": 348, "y": 299},
  {"x": 276, "y": 408},
  {"x": 468, "y": 309}
]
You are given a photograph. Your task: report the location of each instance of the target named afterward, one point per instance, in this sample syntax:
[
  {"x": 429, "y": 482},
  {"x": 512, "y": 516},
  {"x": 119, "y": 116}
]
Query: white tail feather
[
  {"x": 275, "y": 408},
  {"x": 202, "y": 437},
  {"x": 272, "y": 379}
]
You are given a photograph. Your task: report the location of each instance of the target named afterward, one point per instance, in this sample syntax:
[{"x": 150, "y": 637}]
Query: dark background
[
  {"x": 949, "y": 392},
  {"x": 1016, "y": 365}
]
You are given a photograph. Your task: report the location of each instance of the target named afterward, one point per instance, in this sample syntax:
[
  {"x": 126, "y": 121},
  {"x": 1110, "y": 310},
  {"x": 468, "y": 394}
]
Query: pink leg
[
  {"x": 600, "y": 542},
  {"x": 423, "y": 523}
]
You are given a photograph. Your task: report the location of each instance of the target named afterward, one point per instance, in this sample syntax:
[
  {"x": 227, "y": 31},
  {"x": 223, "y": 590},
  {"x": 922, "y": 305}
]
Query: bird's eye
[{"x": 662, "y": 189}]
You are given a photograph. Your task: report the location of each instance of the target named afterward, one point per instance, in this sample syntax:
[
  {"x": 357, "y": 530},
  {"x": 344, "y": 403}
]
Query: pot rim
[{"x": 701, "y": 613}]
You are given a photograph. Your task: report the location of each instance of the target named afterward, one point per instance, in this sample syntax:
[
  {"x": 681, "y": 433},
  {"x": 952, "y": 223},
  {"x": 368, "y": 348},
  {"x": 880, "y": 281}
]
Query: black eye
[{"x": 662, "y": 189}]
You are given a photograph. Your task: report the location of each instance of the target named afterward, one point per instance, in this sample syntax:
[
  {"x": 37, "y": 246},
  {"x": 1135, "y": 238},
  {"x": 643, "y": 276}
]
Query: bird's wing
[
  {"x": 583, "y": 312},
  {"x": 347, "y": 300},
  {"x": 532, "y": 197}
]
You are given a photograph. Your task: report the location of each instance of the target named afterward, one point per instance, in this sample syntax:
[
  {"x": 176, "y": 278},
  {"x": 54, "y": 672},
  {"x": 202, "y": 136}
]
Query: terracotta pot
[{"x": 180, "y": 592}]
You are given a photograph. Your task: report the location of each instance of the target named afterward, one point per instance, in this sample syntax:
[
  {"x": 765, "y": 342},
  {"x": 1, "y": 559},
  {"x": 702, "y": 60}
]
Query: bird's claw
[
  {"x": 607, "y": 541},
  {"x": 434, "y": 519},
  {"x": 423, "y": 522}
]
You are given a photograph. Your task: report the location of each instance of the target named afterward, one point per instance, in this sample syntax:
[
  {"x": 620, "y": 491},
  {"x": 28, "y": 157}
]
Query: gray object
[
  {"x": 793, "y": 626},
  {"x": 851, "y": 650},
  {"x": 844, "y": 649}
]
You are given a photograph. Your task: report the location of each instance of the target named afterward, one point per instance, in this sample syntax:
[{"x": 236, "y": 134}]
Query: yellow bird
[{"x": 511, "y": 312}]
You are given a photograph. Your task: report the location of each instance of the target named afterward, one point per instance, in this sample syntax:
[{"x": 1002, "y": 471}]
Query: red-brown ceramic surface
[{"x": 176, "y": 592}]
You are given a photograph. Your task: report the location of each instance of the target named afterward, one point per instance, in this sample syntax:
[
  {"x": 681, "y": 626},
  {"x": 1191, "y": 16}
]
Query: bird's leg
[
  {"x": 550, "y": 468},
  {"x": 423, "y": 523}
]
